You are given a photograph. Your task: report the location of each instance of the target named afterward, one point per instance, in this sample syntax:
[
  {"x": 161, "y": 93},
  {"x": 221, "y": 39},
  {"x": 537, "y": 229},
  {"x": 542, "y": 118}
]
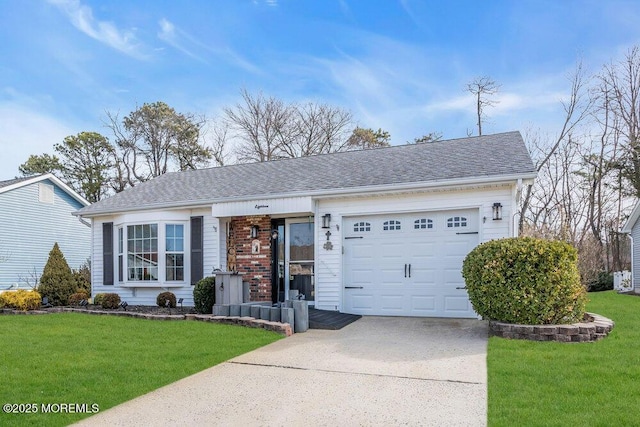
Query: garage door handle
[
  {"x": 461, "y": 287},
  {"x": 354, "y": 237},
  {"x": 405, "y": 270},
  {"x": 409, "y": 270},
  {"x": 468, "y": 232},
  {"x": 354, "y": 287}
]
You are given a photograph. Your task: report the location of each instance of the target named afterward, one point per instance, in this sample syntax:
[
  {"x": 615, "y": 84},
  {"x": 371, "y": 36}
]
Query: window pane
[
  {"x": 179, "y": 231},
  {"x": 170, "y": 246},
  {"x": 170, "y": 229},
  {"x": 142, "y": 246}
]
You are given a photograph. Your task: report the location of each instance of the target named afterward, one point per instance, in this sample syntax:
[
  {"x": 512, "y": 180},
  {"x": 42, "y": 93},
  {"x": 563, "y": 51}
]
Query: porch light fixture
[
  {"x": 254, "y": 231},
  {"x": 274, "y": 234},
  {"x": 497, "y": 211},
  {"x": 326, "y": 221},
  {"x": 124, "y": 305}
]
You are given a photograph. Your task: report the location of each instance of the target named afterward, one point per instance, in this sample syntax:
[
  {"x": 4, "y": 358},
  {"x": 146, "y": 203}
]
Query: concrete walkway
[{"x": 376, "y": 371}]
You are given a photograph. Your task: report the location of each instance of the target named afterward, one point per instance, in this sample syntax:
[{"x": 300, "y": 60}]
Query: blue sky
[{"x": 398, "y": 65}]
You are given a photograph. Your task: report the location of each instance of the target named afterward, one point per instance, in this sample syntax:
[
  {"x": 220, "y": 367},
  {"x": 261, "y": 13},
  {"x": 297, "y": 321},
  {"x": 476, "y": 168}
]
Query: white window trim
[{"x": 162, "y": 281}]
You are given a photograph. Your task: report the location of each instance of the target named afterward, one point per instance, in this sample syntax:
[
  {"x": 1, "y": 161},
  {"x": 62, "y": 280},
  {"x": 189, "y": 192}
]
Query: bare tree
[
  {"x": 267, "y": 128},
  {"x": 482, "y": 88},
  {"x": 321, "y": 128},
  {"x": 263, "y": 125},
  {"x": 620, "y": 91},
  {"x": 576, "y": 109}
]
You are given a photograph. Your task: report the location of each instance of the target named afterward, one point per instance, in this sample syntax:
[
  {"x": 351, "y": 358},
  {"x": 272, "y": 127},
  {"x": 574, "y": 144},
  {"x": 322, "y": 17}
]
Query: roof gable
[
  {"x": 466, "y": 159},
  {"x": 633, "y": 218},
  {"x": 12, "y": 184}
]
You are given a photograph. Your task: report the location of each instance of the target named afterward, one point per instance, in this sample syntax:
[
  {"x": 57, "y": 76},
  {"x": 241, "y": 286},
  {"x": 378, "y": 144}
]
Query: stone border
[
  {"x": 593, "y": 328},
  {"x": 281, "y": 328}
]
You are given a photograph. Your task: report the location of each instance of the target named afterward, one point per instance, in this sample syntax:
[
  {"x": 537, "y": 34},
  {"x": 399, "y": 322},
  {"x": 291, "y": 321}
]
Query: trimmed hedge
[
  {"x": 525, "y": 281},
  {"x": 20, "y": 300},
  {"x": 74, "y": 299},
  {"x": 110, "y": 301},
  {"x": 204, "y": 295},
  {"x": 165, "y": 297}
]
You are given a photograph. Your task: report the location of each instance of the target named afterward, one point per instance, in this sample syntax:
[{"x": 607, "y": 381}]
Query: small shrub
[
  {"x": 602, "y": 282},
  {"x": 82, "y": 277},
  {"x": 204, "y": 295},
  {"x": 74, "y": 299},
  {"x": 20, "y": 300},
  {"x": 110, "y": 301},
  {"x": 525, "y": 280},
  {"x": 56, "y": 282},
  {"x": 97, "y": 300},
  {"x": 162, "y": 299}
]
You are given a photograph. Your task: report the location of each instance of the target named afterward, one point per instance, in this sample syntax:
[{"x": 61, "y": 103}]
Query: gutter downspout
[{"x": 633, "y": 278}]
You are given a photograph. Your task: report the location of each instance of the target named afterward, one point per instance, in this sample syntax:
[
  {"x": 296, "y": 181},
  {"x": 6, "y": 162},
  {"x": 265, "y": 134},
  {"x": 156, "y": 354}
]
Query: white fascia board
[
  {"x": 148, "y": 208},
  {"x": 635, "y": 213},
  {"x": 52, "y": 178},
  {"x": 390, "y": 188},
  {"x": 321, "y": 194}
]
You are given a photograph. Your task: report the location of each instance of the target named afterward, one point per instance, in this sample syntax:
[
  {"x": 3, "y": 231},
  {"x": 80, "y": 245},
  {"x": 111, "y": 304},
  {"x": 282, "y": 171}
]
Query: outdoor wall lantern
[
  {"x": 124, "y": 305},
  {"x": 326, "y": 221},
  {"x": 274, "y": 234},
  {"x": 497, "y": 211},
  {"x": 254, "y": 231}
]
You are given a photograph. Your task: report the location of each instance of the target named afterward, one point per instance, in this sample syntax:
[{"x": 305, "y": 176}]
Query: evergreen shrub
[{"x": 525, "y": 281}]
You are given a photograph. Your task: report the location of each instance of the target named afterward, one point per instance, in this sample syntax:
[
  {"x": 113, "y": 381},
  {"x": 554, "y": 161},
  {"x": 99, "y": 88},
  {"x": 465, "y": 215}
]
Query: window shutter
[
  {"x": 197, "y": 266},
  {"x": 107, "y": 253}
]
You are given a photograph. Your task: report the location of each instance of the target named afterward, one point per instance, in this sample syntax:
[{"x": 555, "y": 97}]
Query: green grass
[
  {"x": 561, "y": 384},
  {"x": 106, "y": 360}
]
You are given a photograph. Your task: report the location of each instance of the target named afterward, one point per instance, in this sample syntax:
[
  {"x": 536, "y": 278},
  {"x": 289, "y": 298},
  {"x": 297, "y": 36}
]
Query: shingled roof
[
  {"x": 14, "y": 181},
  {"x": 474, "y": 158}
]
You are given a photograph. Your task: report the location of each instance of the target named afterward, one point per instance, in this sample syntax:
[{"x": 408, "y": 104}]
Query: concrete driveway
[{"x": 376, "y": 371}]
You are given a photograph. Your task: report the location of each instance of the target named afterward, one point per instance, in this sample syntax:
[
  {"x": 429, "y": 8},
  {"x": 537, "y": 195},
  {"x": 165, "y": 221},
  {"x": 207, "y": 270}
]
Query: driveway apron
[{"x": 376, "y": 371}]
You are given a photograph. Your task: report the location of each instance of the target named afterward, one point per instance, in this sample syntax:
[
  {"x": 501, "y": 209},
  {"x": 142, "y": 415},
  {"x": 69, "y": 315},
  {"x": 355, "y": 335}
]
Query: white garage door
[{"x": 408, "y": 264}]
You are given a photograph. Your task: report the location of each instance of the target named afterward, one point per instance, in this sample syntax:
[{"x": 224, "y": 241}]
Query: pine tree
[{"x": 57, "y": 282}]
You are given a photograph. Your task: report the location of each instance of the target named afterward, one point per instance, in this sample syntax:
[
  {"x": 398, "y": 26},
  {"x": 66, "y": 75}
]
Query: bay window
[
  {"x": 142, "y": 252},
  {"x": 174, "y": 251},
  {"x": 151, "y": 253}
]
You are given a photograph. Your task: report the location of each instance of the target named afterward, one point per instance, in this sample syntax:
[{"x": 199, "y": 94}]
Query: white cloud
[
  {"x": 169, "y": 35},
  {"x": 82, "y": 18},
  {"x": 188, "y": 45}
]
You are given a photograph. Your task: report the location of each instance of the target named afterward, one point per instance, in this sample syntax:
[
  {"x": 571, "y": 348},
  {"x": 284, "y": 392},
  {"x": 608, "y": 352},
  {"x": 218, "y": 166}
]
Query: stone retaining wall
[
  {"x": 281, "y": 328},
  {"x": 593, "y": 328}
]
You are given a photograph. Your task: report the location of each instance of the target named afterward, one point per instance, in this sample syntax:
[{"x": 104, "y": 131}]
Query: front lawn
[
  {"x": 560, "y": 384},
  {"x": 104, "y": 360}
]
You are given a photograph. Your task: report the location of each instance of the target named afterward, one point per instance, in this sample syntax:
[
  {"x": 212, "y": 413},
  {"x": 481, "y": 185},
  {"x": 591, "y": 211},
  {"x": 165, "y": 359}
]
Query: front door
[{"x": 299, "y": 255}]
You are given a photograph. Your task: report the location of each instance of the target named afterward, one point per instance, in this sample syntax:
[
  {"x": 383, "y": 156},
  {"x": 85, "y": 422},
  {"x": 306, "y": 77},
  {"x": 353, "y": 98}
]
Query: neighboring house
[
  {"x": 632, "y": 227},
  {"x": 380, "y": 232},
  {"x": 35, "y": 213}
]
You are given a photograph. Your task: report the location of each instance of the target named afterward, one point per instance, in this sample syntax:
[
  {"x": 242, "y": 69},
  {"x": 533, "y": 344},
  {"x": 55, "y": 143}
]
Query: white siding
[
  {"x": 635, "y": 255},
  {"x": 329, "y": 266},
  {"x": 29, "y": 228},
  {"x": 145, "y": 293}
]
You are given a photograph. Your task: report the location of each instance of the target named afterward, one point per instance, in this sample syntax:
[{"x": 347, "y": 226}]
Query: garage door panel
[
  {"x": 390, "y": 302},
  {"x": 362, "y": 302},
  {"x": 456, "y": 304},
  {"x": 423, "y": 304},
  {"x": 379, "y": 261}
]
